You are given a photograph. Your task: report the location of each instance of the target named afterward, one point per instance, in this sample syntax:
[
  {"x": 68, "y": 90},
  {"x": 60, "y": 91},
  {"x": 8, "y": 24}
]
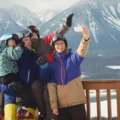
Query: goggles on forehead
[{"x": 58, "y": 37}]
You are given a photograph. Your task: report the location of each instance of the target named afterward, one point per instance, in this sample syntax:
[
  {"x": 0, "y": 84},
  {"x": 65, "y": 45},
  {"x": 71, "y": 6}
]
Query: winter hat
[
  {"x": 14, "y": 37},
  {"x": 58, "y": 37},
  {"x": 34, "y": 29}
]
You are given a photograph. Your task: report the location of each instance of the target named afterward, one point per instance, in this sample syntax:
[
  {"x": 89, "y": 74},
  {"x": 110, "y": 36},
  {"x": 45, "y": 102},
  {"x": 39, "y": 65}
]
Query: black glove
[
  {"x": 69, "y": 20},
  {"x": 42, "y": 60}
]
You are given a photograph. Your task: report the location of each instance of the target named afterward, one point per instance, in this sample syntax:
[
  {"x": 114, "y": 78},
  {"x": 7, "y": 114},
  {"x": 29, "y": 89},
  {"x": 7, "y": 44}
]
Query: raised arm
[
  {"x": 14, "y": 53},
  {"x": 81, "y": 52},
  {"x": 85, "y": 42},
  {"x": 62, "y": 30}
]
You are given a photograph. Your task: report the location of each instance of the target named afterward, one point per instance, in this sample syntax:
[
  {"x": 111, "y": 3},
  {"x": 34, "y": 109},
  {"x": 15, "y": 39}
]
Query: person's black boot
[{"x": 41, "y": 116}]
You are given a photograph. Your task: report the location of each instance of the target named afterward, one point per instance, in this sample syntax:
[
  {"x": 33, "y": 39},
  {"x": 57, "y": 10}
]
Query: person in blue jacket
[{"x": 65, "y": 88}]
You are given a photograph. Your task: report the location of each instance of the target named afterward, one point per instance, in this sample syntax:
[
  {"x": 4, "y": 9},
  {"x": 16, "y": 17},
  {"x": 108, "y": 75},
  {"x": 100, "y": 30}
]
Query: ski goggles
[{"x": 58, "y": 37}]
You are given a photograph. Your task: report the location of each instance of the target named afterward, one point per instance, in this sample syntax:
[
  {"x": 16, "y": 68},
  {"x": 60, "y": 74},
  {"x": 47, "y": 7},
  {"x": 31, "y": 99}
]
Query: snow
[
  {"x": 119, "y": 7},
  {"x": 100, "y": 55},
  {"x": 84, "y": 76},
  {"x": 113, "y": 37},
  {"x": 53, "y": 24},
  {"x": 93, "y": 26},
  {"x": 46, "y": 15},
  {"x": 113, "y": 67},
  {"x": 64, "y": 19},
  {"x": 104, "y": 107},
  {"x": 113, "y": 11},
  {"x": 19, "y": 23},
  {"x": 113, "y": 19}
]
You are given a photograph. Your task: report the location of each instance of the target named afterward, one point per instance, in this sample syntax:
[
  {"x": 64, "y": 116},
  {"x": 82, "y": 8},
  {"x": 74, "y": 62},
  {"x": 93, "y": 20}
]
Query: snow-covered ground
[
  {"x": 104, "y": 108},
  {"x": 113, "y": 67}
]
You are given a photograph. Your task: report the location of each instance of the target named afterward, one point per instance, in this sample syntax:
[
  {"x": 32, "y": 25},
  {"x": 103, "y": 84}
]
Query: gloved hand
[
  {"x": 43, "y": 62},
  {"x": 13, "y": 85},
  {"x": 69, "y": 20}
]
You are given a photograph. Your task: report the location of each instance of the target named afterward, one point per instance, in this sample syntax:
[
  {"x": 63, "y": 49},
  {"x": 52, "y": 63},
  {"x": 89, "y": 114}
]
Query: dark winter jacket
[{"x": 27, "y": 67}]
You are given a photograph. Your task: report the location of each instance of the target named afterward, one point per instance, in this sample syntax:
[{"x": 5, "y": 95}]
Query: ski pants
[
  {"x": 49, "y": 112},
  {"x": 76, "y": 112}
]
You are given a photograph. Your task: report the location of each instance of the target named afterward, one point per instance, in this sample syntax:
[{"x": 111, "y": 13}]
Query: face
[
  {"x": 11, "y": 43},
  {"x": 59, "y": 46},
  {"x": 27, "y": 42},
  {"x": 34, "y": 36}
]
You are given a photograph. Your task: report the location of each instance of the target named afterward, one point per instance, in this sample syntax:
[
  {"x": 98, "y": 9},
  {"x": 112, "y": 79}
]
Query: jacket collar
[
  {"x": 29, "y": 51},
  {"x": 62, "y": 55}
]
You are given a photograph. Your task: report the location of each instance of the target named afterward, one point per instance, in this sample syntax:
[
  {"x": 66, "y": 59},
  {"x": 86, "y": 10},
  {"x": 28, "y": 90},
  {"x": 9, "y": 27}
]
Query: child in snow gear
[{"x": 65, "y": 88}]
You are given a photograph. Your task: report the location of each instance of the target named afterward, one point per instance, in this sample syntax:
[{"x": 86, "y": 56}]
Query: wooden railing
[{"x": 98, "y": 85}]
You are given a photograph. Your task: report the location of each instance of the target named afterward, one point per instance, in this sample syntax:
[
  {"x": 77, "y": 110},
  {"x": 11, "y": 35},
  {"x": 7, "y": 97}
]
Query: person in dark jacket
[
  {"x": 28, "y": 73},
  {"x": 42, "y": 47},
  {"x": 65, "y": 88}
]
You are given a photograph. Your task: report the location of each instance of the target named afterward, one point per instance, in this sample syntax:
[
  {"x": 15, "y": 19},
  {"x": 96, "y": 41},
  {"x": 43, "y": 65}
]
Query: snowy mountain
[
  {"x": 16, "y": 18},
  {"x": 101, "y": 16},
  {"x": 47, "y": 15}
]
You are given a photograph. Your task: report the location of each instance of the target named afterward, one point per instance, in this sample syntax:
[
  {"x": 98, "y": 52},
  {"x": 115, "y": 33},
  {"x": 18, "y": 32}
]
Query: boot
[{"x": 10, "y": 111}]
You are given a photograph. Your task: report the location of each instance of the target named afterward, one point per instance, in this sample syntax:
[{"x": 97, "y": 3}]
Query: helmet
[
  {"x": 58, "y": 37},
  {"x": 34, "y": 29}
]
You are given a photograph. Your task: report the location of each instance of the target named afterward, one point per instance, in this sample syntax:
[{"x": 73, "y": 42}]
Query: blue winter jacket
[
  {"x": 64, "y": 78},
  {"x": 28, "y": 69},
  {"x": 65, "y": 67}
]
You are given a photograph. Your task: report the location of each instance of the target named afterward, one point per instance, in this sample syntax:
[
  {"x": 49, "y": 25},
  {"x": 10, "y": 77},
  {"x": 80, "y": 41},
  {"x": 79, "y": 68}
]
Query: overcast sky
[{"x": 41, "y": 5}]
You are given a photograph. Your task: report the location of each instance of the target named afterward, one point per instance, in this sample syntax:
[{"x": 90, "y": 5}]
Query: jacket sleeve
[
  {"x": 2, "y": 46},
  {"x": 62, "y": 30},
  {"x": 83, "y": 48},
  {"x": 47, "y": 75},
  {"x": 52, "y": 89},
  {"x": 78, "y": 56},
  {"x": 14, "y": 53},
  {"x": 48, "y": 38}
]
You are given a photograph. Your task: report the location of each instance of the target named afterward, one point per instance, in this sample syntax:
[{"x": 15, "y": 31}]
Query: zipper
[{"x": 61, "y": 72}]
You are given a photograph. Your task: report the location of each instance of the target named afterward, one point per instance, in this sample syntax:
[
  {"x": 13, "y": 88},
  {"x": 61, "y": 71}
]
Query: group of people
[{"x": 42, "y": 73}]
